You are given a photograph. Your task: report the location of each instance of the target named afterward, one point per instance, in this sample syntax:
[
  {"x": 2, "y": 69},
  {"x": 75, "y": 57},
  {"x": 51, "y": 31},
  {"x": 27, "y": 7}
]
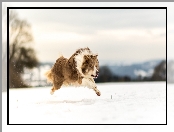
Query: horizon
[{"x": 109, "y": 63}]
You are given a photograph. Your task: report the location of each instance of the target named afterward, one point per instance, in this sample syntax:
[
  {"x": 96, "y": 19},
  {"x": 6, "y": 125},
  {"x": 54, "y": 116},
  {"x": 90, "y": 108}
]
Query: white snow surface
[{"x": 131, "y": 103}]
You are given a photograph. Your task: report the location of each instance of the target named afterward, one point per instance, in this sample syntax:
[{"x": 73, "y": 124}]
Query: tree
[
  {"x": 106, "y": 75},
  {"x": 159, "y": 72},
  {"x": 21, "y": 54}
]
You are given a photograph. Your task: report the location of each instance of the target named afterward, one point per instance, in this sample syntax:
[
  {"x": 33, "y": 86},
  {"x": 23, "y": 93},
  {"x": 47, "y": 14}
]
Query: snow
[{"x": 131, "y": 103}]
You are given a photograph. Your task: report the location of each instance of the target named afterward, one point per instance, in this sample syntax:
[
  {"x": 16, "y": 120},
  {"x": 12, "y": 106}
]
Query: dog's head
[{"x": 90, "y": 66}]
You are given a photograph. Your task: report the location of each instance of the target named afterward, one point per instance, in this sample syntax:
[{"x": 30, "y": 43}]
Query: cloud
[
  {"x": 115, "y": 34},
  {"x": 91, "y": 20}
]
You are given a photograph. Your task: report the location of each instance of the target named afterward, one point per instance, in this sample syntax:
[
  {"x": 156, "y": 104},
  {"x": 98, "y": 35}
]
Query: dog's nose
[{"x": 97, "y": 72}]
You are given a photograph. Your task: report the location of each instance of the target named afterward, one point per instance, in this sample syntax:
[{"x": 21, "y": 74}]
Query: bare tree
[{"x": 21, "y": 54}]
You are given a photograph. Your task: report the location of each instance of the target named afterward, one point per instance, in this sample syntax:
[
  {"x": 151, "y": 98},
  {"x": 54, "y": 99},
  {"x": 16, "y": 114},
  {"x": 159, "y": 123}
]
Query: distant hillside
[
  {"x": 116, "y": 72},
  {"x": 144, "y": 69}
]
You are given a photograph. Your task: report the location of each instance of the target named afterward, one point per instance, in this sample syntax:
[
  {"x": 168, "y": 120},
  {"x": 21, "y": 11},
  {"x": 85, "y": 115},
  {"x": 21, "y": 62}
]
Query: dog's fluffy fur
[{"x": 79, "y": 70}]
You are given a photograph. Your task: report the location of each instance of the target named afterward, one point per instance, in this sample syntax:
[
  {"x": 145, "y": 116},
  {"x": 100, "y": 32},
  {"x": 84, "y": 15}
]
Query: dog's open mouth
[{"x": 94, "y": 76}]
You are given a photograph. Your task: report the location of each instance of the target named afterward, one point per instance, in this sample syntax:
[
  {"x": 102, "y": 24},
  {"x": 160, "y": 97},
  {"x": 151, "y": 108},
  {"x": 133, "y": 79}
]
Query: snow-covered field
[{"x": 119, "y": 103}]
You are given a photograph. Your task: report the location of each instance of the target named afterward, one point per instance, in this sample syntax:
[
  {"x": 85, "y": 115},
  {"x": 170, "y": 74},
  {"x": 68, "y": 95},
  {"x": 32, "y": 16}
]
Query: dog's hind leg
[{"x": 56, "y": 85}]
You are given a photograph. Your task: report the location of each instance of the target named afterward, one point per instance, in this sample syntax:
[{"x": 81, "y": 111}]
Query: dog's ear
[
  {"x": 87, "y": 57},
  {"x": 94, "y": 56},
  {"x": 91, "y": 56}
]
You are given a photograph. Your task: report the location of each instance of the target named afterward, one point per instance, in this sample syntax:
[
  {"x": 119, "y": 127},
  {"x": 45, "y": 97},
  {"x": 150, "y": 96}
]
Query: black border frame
[{"x": 8, "y": 8}]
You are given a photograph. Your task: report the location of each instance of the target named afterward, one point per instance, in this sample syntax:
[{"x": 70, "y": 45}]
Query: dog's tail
[{"x": 49, "y": 76}]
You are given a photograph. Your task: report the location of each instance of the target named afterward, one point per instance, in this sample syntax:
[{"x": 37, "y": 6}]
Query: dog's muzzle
[{"x": 97, "y": 73}]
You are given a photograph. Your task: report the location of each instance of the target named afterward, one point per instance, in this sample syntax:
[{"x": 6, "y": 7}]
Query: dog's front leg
[
  {"x": 95, "y": 88},
  {"x": 89, "y": 82},
  {"x": 97, "y": 91}
]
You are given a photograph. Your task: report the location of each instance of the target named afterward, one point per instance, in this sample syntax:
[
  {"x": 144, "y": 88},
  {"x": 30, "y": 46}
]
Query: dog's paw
[
  {"x": 98, "y": 93},
  {"x": 51, "y": 92}
]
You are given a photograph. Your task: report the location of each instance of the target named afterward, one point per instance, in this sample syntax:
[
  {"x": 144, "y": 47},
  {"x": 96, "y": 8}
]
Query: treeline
[{"x": 107, "y": 76}]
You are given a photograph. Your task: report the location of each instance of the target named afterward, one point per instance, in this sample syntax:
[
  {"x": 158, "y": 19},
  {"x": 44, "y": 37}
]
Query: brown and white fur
[{"x": 79, "y": 70}]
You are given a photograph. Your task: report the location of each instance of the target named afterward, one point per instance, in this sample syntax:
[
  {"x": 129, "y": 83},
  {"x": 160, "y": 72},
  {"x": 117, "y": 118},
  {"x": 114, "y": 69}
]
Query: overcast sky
[{"x": 130, "y": 35}]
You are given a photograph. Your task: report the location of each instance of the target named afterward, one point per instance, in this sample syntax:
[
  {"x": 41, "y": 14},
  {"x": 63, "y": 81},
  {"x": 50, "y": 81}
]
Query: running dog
[{"x": 79, "y": 70}]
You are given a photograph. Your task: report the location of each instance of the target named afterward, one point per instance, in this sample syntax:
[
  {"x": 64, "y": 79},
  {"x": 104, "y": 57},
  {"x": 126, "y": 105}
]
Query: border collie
[{"x": 79, "y": 70}]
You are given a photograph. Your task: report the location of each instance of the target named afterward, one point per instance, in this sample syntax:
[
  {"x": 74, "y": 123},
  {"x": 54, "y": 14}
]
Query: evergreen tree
[{"x": 159, "y": 72}]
